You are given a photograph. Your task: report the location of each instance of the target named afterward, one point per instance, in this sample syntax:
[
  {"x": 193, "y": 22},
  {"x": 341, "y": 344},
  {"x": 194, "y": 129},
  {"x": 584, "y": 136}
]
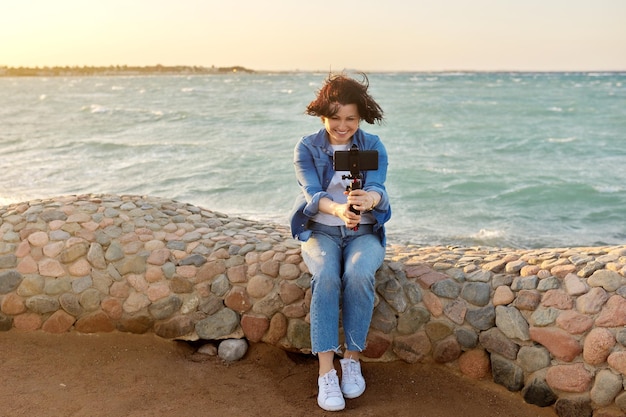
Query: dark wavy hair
[{"x": 339, "y": 88}]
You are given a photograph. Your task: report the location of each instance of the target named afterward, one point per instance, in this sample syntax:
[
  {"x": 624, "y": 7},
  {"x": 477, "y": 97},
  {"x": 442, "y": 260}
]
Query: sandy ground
[{"x": 119, "y": 374}]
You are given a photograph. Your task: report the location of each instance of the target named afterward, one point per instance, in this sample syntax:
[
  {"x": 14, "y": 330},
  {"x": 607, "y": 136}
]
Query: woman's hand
[
  {"x": 359, "y": 199},
  {"x": 362, "y": 200},
  {"x": 350, "y": 218}
]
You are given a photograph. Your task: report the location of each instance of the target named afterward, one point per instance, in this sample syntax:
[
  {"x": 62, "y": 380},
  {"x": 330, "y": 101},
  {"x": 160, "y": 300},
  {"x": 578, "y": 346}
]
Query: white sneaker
[
  {"x": 352, "y": 381},
  {"x": 329, "y": 396}
]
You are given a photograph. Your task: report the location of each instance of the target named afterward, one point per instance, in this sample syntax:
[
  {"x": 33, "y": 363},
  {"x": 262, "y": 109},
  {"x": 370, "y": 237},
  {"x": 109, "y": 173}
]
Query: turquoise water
[{"x": 501, "y": 159}]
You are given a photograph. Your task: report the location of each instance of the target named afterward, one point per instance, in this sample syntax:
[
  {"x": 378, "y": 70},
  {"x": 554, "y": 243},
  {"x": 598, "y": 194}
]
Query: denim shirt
[{"x": 313, "y": 161}]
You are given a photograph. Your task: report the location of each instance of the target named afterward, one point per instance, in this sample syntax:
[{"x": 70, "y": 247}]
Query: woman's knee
[
  {"x": 359, "y": 280},
  {"x": 326, "y": 280}
]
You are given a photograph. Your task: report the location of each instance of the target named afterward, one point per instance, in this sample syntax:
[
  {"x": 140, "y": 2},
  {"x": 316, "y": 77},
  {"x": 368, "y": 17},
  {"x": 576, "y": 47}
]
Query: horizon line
[{"x": 239, "y": 69}]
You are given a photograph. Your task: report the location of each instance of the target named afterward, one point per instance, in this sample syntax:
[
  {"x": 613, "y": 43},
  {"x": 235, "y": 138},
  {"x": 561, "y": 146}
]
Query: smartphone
[{"x": 355, "y": 160}]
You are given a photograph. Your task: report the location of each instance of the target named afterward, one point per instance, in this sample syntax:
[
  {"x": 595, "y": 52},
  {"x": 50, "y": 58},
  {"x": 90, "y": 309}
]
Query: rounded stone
[
  {"x": 259, "y": 286},
  {"x": 232, "y": 349},
  {"x": 475, "y": 364}
]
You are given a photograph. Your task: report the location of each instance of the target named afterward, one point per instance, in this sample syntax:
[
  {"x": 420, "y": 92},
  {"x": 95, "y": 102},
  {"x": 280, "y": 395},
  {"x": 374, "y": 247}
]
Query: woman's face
[{"x": 343, "y": 124}]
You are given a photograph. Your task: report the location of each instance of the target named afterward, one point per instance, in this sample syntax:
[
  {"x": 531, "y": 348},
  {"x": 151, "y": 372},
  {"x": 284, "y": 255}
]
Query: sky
[{"x": 306, "y": 35}]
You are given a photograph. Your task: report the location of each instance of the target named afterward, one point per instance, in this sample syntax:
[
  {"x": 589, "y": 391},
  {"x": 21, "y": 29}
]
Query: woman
[{"x": 342, "y": 247}]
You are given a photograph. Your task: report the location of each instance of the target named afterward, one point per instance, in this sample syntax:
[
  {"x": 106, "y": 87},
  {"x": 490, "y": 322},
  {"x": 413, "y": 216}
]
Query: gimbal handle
[{"x": 356, "y": 184}]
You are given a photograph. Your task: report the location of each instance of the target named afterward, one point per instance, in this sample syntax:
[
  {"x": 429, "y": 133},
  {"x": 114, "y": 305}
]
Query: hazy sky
[{"x": 367, "y": 35}]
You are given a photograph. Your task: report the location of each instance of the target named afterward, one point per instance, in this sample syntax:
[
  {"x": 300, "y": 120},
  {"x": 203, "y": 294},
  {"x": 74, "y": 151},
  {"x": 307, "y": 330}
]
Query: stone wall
[{"x": 546, "y": 323}]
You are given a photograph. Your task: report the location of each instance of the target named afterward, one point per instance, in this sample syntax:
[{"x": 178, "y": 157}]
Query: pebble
[
  {"x": 232, "y": 350},
  {"x": 208, "y": 349}
]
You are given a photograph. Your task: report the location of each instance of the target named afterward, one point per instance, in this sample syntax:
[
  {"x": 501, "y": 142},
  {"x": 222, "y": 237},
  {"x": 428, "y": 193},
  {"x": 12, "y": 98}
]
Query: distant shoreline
[{"x": 117, "y": 70}]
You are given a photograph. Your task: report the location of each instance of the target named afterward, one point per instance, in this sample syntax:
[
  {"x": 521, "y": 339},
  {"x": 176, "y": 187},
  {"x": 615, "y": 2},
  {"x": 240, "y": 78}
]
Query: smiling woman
[{"x": 341, "y": 225}]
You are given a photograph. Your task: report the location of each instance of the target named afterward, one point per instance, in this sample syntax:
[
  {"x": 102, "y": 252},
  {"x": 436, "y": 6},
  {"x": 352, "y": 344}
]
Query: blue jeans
[{"x": 343, "y": 264}]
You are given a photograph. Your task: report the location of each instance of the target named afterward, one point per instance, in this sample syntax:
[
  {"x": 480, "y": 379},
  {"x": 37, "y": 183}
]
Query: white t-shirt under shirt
[{"x": 336, "y": 189}]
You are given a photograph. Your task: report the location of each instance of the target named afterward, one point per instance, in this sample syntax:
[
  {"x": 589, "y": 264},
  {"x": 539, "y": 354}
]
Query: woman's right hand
[{"x": 350, "y": 218}]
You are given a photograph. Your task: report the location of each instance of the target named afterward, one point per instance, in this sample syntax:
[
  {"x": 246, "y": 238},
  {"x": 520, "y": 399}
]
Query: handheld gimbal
[{"x": 355, "y": 161}]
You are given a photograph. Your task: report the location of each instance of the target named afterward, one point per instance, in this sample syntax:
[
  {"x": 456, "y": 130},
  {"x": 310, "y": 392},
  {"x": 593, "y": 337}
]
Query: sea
[{"x": 497, "y": 159}]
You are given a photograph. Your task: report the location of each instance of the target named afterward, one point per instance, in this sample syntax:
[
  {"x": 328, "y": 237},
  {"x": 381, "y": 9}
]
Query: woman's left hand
[{"x": 360, "y": 200}]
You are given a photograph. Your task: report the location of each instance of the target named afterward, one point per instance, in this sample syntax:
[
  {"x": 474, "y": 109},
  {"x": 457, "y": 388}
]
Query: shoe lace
[
  {"x": 351, "y": 372},
  {"x": 331, "y": 385}
]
